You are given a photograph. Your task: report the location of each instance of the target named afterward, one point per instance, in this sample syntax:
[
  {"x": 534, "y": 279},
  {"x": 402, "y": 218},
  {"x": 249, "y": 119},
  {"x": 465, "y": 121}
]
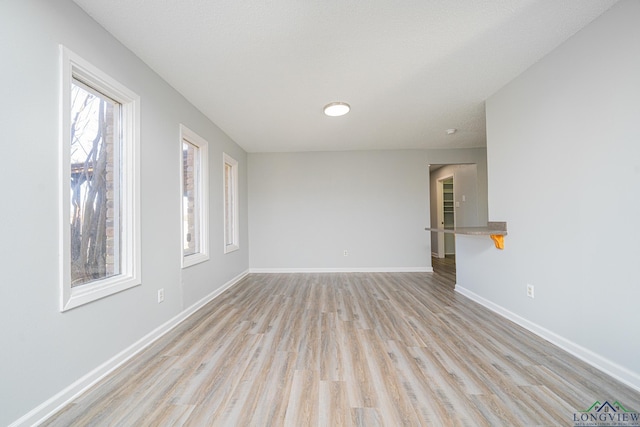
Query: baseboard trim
[
  {"x": 61, "y": 399},
  {"x": 620, "y": 373},
  {"x": 345, "y": 270}
]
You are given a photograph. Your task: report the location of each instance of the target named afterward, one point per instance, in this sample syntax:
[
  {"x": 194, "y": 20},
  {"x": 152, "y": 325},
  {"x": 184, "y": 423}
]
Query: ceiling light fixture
[
  {"x": 451, "y": 131},
  {"x": 336, "y": 109}
]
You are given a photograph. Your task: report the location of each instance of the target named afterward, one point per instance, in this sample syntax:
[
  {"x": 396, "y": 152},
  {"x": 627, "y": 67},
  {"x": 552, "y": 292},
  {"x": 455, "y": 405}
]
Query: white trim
[
  {"x": 620, "y": 373},
  {"x": 73, "y": 66},
  {"x": 202, "y": 255},
  {"x": 345, "y": 270},
  {"x": 46, "y": 409},
  {"x": 234, "y": 244}
]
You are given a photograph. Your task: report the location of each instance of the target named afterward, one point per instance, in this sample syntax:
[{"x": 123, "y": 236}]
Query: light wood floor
[
  {"x": 445, "y": 268},
  {"x": 361, "y": 349}
]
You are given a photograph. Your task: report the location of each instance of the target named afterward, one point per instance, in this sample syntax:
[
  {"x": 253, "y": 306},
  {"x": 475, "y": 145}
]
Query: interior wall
[
  {"x": 44, "y": 350},
  {"x": 307, "y": 208},
  {"x": 564, "y": 169},
  {"x": 472, "y": 211}
]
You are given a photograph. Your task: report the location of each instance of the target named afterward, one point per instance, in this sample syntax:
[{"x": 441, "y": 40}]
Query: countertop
[{"x": 496, "y": 228}]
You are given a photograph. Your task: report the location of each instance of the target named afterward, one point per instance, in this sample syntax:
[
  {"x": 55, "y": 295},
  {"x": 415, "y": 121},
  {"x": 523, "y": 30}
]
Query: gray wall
[
  {"x": 564, "y": 172},
  {"x": 43, "y": 350},
  {"x": 306, "y": 208}
]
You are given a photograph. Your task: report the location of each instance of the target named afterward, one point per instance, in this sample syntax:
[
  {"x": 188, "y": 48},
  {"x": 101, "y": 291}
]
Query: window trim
[
  {"x": 73, "y": 66},
  {"x": 234, "y": 245},
  {"x": 190, "y": 136}
]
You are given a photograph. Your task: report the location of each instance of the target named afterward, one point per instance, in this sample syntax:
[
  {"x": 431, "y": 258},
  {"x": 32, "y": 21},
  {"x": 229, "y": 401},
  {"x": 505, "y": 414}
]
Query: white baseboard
[
  {"x": 61, "y": 399},
  {"x": 345, "y": 270},
  {"x": 620, "y": 373}
]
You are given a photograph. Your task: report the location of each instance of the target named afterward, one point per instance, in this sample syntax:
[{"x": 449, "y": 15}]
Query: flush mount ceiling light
[{"x": 336, "y": 109}]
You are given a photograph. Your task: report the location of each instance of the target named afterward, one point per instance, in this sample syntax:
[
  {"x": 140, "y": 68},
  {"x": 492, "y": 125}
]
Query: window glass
[
  {"x": 190, "y": 198},
  {"x": 228, "y": 203},
  {"x": 195, "y": 197},
  {"x": 230, "y": 176},
  {"x": 95, "y": 185}
]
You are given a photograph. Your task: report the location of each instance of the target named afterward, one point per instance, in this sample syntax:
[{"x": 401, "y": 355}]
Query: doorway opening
[
  {"x": 446, "y": 217},
  {"x": 457, "y": 198},
  {"x": 443, "y": 260}
]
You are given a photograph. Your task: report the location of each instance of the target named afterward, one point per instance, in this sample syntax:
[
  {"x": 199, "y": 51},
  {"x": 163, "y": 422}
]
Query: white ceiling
[{"x": 263, "y": 70}]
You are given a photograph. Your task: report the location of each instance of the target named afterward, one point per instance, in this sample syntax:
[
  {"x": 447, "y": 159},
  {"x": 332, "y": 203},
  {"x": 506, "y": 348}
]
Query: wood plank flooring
[{"x": 356, "y": 349}]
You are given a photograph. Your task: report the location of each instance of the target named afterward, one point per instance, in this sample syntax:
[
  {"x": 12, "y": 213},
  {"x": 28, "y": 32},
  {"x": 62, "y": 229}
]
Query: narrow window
[
  {"x": 195, "y": 198},
  {"x": 99, "y": 178},
  {"x": 230, "y": 170},
  {"x": 95, "y": 185}
]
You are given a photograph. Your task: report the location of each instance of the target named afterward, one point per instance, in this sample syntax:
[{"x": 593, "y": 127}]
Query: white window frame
[
  {"x": 234, "y": 244},
  {"x": 202, "y": 255},
  {"x": 73, "y": 66}
]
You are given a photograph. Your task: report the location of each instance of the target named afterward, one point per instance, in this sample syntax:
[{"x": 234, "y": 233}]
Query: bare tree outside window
[{"x": 95, "y": 179}]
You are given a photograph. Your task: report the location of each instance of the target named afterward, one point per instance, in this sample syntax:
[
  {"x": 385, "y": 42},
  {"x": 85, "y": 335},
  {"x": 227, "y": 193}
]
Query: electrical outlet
[
  {"x": 345, "y": 253},
  {"x": 160, "y": 295},
  {"x": 529, "y": 290}
]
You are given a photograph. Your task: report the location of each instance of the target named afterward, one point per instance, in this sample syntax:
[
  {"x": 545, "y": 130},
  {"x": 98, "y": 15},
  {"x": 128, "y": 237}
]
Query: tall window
[
  {"x": 195, "y": 197},
  {"x": 95, "y": 185},
  {"x": 99, "y": 181},
  {"x": 230, "y": 170}
]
